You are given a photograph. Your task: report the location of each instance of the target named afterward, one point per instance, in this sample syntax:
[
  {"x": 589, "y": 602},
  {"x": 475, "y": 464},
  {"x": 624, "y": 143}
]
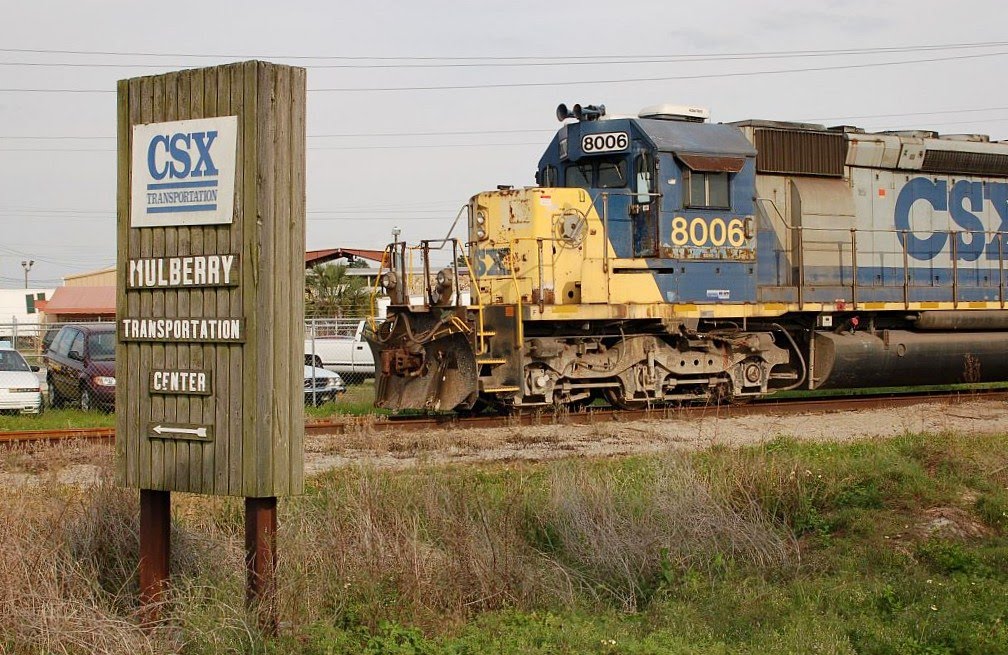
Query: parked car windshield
[
  {"x": 102, "y": 346},
  {"x": 11, "y": 360}
]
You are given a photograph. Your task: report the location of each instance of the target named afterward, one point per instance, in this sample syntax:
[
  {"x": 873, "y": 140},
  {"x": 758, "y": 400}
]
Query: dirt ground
[
  {"x": 610, "y": 438},
  {"x": 82, "y": 464}
]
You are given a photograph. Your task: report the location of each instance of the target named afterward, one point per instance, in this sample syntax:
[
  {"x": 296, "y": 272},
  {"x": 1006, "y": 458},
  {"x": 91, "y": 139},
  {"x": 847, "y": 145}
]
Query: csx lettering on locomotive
[{"x": 963, "y": 201}]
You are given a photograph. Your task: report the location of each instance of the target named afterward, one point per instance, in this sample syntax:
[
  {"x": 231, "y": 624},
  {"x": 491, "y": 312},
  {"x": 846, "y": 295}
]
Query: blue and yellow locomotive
[{"x": 663, "y": 258}]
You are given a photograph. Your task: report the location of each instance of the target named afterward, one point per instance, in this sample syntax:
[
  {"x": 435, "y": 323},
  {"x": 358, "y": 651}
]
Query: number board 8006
[{"x": 605, "y": 142}]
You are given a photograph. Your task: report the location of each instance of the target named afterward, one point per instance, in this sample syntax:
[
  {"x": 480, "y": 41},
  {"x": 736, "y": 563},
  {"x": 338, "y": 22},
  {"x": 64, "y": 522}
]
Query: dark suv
[{"x": 80, "y": 366}]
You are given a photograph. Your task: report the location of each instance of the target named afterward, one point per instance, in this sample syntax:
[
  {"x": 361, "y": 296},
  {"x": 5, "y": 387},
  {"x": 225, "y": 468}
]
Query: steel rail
[{"x": 768, "y": 407}]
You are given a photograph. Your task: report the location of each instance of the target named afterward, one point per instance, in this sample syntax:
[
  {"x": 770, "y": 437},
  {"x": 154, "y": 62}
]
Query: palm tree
[{"x": 331, "y": 293}]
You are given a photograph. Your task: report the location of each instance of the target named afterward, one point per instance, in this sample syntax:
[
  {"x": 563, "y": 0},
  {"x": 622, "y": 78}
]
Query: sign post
[{"x": 209, "y": 396}]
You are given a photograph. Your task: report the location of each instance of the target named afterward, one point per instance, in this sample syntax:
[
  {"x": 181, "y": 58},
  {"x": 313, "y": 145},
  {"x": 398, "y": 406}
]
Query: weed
[
  {"x": 993, "y": 509},
  {"x": 943, "y": 556}
]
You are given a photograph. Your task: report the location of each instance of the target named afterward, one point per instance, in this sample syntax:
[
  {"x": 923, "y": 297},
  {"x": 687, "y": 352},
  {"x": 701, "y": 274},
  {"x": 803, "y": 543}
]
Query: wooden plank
[
  {"x": 211, "y": 361},
  {"x": 126, "y": 454},
  {"x": 298, "y": 87},
  {"x": 263, "y": 407},
  {"x": 250, "y": 254},
  {"x": 169, "y": 352},
  {"x": 197, "y": 353},
  {"x": 280, "y": 276},
  {"x": 222, "y": 419},
  {"x": 182, "y": 308},
  {"x": 153, "y": 98}
]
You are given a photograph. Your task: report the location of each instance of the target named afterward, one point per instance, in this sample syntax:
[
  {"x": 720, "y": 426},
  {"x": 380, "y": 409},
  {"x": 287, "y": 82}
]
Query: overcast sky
[{"x": 389, "y": 145}]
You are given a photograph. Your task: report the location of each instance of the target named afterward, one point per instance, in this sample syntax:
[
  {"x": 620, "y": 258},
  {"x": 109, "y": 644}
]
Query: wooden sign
[{"x": 209, "y": 364}]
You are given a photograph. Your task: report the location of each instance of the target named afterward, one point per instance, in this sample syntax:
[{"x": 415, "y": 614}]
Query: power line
[
  {"x": 631, "y": 80},
  {"x": 551, "y": 62},
  {"x": 362, "y": 135},
  {"x": 886, "y": 49},
  {"x": 333, "y": 136},
  {"x": 911, "y": 113}
]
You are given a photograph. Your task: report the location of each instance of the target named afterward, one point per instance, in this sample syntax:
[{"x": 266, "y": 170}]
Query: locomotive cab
[{"x": 676, "y": 194}]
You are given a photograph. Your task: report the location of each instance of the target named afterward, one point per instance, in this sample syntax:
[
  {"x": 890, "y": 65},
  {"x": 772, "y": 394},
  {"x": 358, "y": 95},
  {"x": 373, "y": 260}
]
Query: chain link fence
[{"x": 42, "y": 365}]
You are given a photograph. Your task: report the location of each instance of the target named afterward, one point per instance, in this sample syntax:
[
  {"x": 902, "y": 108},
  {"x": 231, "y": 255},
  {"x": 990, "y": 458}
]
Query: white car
[
  {"x": 20, "y": 389},
  {"x": 321, "y": 386}
]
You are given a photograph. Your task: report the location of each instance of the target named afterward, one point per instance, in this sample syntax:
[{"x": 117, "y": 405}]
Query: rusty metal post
[
  {"x": 260, "y": 560},
  {"x": 155, "y": 547},
  {"x": 425, "y": 245}
]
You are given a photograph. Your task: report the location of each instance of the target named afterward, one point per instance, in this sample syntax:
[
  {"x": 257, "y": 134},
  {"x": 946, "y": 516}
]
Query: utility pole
[{"x": 26, "y": 265}]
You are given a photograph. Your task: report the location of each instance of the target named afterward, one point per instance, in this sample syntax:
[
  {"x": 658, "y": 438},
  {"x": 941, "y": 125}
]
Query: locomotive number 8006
[
  {"x": 700, "y": 232},
  {"x": 605, "y": 142}
]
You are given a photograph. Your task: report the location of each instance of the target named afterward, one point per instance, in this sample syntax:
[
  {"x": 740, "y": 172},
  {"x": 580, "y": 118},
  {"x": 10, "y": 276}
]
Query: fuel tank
[{"x": 904, "y": 358}]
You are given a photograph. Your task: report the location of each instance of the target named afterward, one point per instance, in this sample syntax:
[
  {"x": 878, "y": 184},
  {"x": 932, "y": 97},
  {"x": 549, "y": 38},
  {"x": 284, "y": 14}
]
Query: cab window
[
  {"x": 706, "y": 189},
  {"x": 548, "y": 178},
  {"x": 597, "y": 174},
  {"x": 578, "y": 175},
  {"x": 612, "y": 174}
]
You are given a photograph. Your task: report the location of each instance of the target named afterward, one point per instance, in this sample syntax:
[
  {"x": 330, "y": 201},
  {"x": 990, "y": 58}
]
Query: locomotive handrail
[{"x": 778, "y": 211}]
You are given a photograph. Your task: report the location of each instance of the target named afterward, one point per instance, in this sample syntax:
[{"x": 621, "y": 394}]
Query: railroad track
[{"x": 768, "y": 407}]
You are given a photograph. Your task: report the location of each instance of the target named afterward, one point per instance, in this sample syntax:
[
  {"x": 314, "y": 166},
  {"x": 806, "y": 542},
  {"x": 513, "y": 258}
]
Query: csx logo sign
[
  {"x": 183, "y": 172},
  {"x": 974, "y": 235},
  {"x": 173, "y": 155}
]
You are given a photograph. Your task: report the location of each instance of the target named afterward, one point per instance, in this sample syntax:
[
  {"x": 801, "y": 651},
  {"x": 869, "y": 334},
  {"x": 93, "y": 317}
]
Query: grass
[
  {"x": 54, "y": 419},
  {"x": 357, "y": 401},
  {"x": 897, "y": 546}
]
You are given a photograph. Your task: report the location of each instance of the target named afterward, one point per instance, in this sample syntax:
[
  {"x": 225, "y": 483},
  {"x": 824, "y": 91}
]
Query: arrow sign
[{"x": 180, "y": 431}]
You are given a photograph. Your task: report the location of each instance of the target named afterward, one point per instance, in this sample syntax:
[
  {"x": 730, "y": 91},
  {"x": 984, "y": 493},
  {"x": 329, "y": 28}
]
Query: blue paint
[
  {"x": 962, "y": 191},
  {"x": 178, "y": 148},
  {"x": 963, "y": 201}
]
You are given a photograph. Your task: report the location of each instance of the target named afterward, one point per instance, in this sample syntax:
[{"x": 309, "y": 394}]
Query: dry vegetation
[
  {"x": 724, "y": 544},
  {"x": 423, "y": 547}
]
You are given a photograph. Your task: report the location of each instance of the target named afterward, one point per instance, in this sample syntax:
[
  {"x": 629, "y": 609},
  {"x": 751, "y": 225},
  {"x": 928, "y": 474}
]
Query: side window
[
  {"x": 63, "y": 341},
  {"x": 707, "y": 190},
  {"x": 578, "y": 175},
  {"x": 644, "y": 167},
  {"x": 101, "y": 345},
  {"x": 612, "y": 174},
  {"x": 549, "y": 176},
  {"x": 78, "y": 344}
]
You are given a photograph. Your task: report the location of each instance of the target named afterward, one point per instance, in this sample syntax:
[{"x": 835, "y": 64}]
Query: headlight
[
  {"x": 389, "y": 280},
  {"x": 480, "y": 233},
  {"x": 480, "y": 218},
  {"x": 103, "y": 381}
]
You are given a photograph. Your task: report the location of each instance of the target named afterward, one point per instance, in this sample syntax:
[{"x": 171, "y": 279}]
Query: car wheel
[
  {"x": 55, "y": 400},
  {"x": 85, "y": 400}
]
